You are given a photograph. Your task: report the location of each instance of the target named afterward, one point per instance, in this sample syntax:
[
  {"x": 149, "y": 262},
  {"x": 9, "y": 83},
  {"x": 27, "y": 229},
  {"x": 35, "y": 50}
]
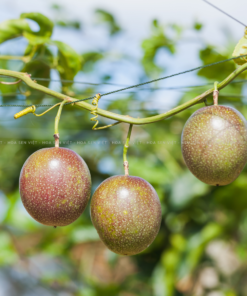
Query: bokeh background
[{"x": 201, "y": 247}]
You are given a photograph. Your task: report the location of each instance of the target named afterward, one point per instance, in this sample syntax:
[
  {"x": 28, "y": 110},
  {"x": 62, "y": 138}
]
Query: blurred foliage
[
  {"x": 89, "y": 60},
  {"x": 158, "y": 40},
  {"x": 201, "y": 247},
  {"x": 39, "y": 48},
  {"x": 70, "y": 24},
  {"x": 106, "y": 17},
  {"x": 198, "y": 26},
  {"x": 210, "y": 55}
]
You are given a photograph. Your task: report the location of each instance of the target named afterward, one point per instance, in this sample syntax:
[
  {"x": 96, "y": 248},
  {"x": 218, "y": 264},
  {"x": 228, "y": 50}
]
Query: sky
[{"x": 135, "y": 16}]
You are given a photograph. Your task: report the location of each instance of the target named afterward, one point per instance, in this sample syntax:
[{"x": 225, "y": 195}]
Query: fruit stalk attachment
[
  {"x": 216, "y": 93},
  {"x": 126, "y": 146},
  {"x": 57, "y": 119}
]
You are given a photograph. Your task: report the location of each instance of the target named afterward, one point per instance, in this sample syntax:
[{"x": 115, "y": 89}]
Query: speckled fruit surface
[
  {"x": 126, "y": 212},
  {"x": 55, "y": 186},
  {"x": 214, "y": 144}
]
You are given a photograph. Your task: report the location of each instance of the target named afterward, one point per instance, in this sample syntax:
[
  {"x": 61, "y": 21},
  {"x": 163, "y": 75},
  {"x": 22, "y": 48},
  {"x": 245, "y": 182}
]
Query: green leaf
[
  {"x": 152, "y": 44},
  {"x": 39, "y": 69},
  {"x": 240, "y": 49},
  {"x": 45, "y": 24},
  {"x": 13, "y": 28},
  {"x": 34, "y": 39},
  {"x": 19, "y": 27},
  {"x": 42, "y": 53},
  {"x": 149, "y": 172},
  {"x": 106, "y": 17},
  {"x": 198, "y": 26},
  {"x": 89, "y": 59},
  {"x": 69, "y": 61},
  {"x": 69, "y": 24},
  {"x": 197, "y": 244},
  {"x": 218, "y": 72}
]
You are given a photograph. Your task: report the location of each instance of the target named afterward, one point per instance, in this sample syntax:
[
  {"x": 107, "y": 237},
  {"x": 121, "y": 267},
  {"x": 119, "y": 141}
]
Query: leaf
[
  {"x": 69, "y": 61},
  {"x": 69, "y": 24},
  {"x": 89, "y": 58},
  {"x": 106, "y": 17},
  {"x": 198, "y": 26},
  {"x": 42, "y": 53},
  {"x": 241, "y": 49},
  {"x": 45, "y": 24},
  {"x": 150, "y": 172},
  {"x": 13, "y": 28},
  {"x": 218, "y": 72},
  {"x": 19, "y": 27},
  {"x": 35, "y": 40},
  {"x": 152, "y": 44},
  {"x": 197, "y": 244},
  {"x": 225, "y": 199},
  {"x": 38, "y": 69}
]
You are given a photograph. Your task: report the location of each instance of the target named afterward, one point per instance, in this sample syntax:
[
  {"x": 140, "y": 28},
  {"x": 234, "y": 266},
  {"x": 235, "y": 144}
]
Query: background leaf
[
  {"x": 13, "y": 28},
  {"x": 45, "y": 24},
  {"x": 69, "y": 61}
]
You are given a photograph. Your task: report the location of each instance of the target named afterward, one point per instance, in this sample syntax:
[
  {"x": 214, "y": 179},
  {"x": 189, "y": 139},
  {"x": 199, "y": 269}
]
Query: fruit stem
[
  {"x": 126, "y": 168},
  {"x": 216, "y": 93},
  {"x": 56, "y": 137},
  {"x": 57, "y": 119},
  {"x": 125, "y": 150}
]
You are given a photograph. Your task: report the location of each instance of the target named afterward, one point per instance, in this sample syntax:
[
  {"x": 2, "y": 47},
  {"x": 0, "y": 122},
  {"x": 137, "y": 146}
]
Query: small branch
[
  {"x": 125, "y": 150},
  {"x": 10, "y": 83},
  {"x": 24, "y": 59},
  {"x": 124, "y": 118},
  {"x": 7, "y": 57},
  {"x": 57, "y": 119}
]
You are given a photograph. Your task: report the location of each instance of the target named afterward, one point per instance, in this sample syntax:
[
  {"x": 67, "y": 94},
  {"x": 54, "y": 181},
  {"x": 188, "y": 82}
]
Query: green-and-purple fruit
[
  {"x": 126, "y": 212},
  {"x": 214, "y": 144},
  {"x": 55, "y": 186}
]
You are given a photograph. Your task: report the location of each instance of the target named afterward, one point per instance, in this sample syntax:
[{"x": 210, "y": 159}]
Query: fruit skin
[
  {"x": 214, "y": 144},
  {"x": 126, "y": 212},
  {"x": 55, "y": 186}
]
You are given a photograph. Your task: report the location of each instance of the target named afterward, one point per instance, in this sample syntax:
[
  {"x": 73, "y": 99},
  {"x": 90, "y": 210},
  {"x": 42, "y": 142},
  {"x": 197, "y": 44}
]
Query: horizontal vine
[{"x": 122, "y": 118}]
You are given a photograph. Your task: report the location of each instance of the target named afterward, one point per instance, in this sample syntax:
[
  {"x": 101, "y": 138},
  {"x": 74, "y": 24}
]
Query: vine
[{"x": 122, "y": 118}]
